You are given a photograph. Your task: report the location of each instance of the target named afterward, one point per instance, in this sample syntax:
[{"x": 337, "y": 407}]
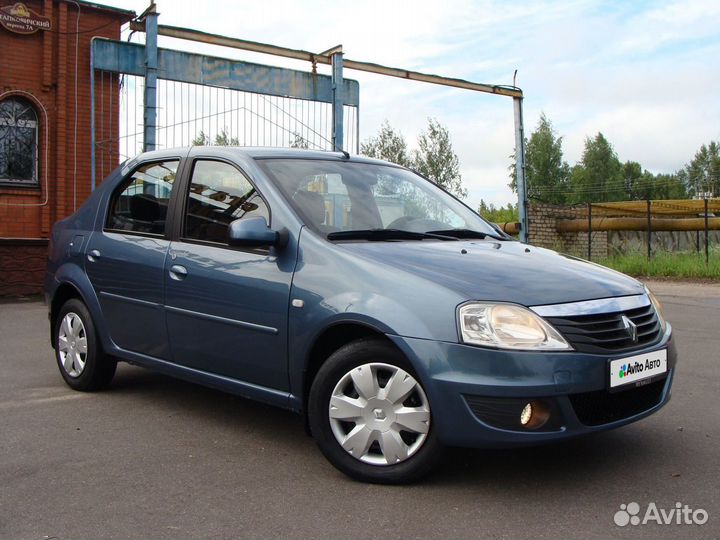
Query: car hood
[{"x": 504, "y": 271}]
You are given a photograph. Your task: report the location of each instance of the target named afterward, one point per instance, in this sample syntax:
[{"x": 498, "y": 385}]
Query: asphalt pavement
[{"x": 153, "y": 457}]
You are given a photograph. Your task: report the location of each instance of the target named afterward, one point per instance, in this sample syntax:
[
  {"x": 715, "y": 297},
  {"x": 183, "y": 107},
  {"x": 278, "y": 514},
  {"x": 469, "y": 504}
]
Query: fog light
[
  {"x": 535, "y": 414},
  {"x": 526, "y": 414}
]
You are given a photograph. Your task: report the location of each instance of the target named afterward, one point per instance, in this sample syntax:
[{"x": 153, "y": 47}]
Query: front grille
[
  {"x": 602, "y": 407},
  {"x": 603, "y": 332}
]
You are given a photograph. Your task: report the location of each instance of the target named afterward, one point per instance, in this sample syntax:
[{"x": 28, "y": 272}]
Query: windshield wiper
[
  {"x": 386, "y": 234},
  {"x": 468, "y": 233}
]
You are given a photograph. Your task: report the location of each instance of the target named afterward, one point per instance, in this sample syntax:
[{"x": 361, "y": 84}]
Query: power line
[{"x": 634, "y": 186}]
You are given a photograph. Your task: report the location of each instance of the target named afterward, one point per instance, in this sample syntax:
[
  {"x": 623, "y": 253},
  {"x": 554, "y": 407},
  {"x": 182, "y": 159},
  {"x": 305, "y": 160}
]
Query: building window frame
[{"x": 17, "y": 117}]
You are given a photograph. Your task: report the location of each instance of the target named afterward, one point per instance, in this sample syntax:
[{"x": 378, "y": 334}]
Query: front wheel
[
  {"x": 371, "y": 416},
  {"x": 81, "y": 360}
]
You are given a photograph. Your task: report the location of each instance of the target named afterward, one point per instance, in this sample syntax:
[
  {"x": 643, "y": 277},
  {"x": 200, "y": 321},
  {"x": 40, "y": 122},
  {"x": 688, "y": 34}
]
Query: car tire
[
  {"x": 82, "y": 363},
  {"x": 370, "y": 415}
]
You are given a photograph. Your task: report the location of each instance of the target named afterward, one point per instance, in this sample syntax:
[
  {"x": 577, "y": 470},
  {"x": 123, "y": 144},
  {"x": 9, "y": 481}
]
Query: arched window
[{"x": 18, "y": 143}]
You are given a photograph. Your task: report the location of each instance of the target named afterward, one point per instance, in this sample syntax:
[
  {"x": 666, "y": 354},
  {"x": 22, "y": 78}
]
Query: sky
[{"x": 645, "y": 74}]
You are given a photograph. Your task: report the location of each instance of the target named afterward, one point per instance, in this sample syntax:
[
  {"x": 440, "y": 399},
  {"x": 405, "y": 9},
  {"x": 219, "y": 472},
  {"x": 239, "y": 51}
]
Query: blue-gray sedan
[{"x": 355, "y": 292}]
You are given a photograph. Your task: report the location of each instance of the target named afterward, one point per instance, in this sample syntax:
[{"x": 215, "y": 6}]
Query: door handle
[
  {"x": 93, "y": 255},
  {"x": 178, "y": 272}
]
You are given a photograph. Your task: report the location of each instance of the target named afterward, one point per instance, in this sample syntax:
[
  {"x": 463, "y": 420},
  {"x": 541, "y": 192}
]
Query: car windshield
[{"x": 349, "y": 200}]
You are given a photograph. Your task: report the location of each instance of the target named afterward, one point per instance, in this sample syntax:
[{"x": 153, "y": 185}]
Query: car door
[
  {"x": 226, "y": 307},
  {"x": 125, "y": 260}
]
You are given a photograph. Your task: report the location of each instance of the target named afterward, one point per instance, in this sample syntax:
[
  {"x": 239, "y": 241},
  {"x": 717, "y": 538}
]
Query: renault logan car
[{"x": 355, "y": 292}]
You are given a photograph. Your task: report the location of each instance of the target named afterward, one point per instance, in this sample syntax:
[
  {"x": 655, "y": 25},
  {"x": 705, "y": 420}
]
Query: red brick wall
[
  {"x": 41, "y": 67},
  {"x": 22, "y": 266}
]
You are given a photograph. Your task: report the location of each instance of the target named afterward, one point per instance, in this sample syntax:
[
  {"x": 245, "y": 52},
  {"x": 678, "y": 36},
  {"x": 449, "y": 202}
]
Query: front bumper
[{"x": 462, "y": 381}]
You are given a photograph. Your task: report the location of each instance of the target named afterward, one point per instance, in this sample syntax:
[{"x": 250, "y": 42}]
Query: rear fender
[{"x": 73, "y": 275}]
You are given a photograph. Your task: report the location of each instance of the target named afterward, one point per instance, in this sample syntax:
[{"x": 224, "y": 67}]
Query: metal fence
[
  {"x": 187, "y": 113},
  {"x": 667, "y": 225},
  {"x": 199, "y": 99}
]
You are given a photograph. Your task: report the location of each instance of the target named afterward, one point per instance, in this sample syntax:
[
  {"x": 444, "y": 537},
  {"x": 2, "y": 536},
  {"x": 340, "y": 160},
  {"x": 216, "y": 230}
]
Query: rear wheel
[
  {"x": 371, "y": 416},
  {"x": 81, "y": 361}
]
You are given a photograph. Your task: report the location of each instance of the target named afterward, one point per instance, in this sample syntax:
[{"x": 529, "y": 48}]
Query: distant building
[{"x": 45, "y": 125}]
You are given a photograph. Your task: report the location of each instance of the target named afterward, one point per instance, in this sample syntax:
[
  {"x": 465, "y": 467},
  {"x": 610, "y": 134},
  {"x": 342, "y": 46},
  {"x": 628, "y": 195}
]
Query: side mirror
[{"x": 252, "y": 232}]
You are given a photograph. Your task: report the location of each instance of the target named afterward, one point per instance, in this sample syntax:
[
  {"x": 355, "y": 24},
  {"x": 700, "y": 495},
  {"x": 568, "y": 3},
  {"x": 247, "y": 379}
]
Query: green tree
[
  {"x": 436, "y": 159},
  {"x": 641, "y": 184},
  {"x": 498, "y": 214},
  {"x": 546, "y": 173},
  {"x": 221, "y": 139},
  {"x": 670, "y": 186},
  {"x": 599, "y": 175},
  {"x": 577, "y": 185},
  {"x": 389, "y": 145},
  {"x": 201, "y": 139},
  {"x": 637, "y": 184},
  {"x": 703, "y": 172}
]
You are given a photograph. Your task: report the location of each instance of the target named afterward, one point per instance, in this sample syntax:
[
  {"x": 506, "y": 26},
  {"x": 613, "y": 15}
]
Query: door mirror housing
[{"x": 253, "y": 232}]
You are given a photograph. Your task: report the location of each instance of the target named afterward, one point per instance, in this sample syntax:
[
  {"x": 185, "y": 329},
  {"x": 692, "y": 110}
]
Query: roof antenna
[{"x": 514, "y": 77}]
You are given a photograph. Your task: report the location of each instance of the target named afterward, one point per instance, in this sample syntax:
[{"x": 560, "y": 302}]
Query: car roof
[{"x": 257, "y": 152}]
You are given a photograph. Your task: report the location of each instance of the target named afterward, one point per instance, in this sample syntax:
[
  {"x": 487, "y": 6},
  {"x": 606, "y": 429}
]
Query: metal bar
[
  {"x": 92, "y": 117},
  {"x": 299, "y": 54},
  {"x": 649, "y": 230},
  {"x": 337, "y": 102},
  {"x": 103, "y": 136},
  {"x": 113, "y": 118},
  {"x": 520, "y": 169},
  {"x": 151, "y": 65},
  {"x": 181, "y": 66},
  {"x": 434, "y": 79},
  {"x": 357, "y": 129},
  {"x": 236, "y": 43},
  {"x": 707, "y": 238},
  {"x": 589, "y": 233}
]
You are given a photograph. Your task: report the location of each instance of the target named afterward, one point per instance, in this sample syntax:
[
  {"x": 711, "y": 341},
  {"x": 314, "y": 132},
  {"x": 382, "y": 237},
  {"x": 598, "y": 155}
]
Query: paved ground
[{"x": 157, "y": 458}]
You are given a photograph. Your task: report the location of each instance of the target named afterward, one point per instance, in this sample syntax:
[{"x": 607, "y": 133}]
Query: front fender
[
  {"x": 311, "y": 315},
  {"x": 305, "y": 328},
  {"x": 332, "y": 285}
]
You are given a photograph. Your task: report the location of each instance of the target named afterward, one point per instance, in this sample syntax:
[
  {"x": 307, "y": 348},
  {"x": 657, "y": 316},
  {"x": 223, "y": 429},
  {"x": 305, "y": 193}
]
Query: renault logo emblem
[{"x": 630, "y": 327}]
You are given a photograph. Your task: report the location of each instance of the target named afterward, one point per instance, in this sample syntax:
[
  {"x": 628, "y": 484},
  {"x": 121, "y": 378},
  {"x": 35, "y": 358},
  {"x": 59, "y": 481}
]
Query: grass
[{"x": 665, "y": 264}]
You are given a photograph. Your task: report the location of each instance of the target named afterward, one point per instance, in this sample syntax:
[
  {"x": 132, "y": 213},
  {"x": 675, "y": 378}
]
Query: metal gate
[{"x": 200, "y": 99}]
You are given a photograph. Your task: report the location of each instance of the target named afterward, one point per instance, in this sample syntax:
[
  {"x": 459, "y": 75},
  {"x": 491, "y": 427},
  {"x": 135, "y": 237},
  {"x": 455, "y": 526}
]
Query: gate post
[
  {"x": 589, "y": 233},
  {"x": 337, "y": 100},
  {"x": 151, "y": 64},
  {"x": 520, "y": 169},
  {"x": 92, "y": 115},
  {"x": 649, "y": 229},
  {"x": 707, "y": 238}
]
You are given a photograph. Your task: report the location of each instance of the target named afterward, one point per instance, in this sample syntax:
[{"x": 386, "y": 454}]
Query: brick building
[{"x": 45, "y": 121}]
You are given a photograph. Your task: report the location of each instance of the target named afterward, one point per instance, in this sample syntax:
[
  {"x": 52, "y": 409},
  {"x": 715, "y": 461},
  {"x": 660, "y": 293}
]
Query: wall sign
[{"x": 21, "y": 19}]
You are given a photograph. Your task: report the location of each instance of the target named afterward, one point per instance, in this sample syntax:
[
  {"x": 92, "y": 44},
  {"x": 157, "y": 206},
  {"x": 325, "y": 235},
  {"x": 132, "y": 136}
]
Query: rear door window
[{"x": 140, "y": 204}]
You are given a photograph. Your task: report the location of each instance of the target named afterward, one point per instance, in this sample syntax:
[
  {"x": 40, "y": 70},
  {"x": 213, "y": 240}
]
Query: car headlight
[
  {"x": 658, "y": 308},
  {"x": 508, "y": 326}
]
